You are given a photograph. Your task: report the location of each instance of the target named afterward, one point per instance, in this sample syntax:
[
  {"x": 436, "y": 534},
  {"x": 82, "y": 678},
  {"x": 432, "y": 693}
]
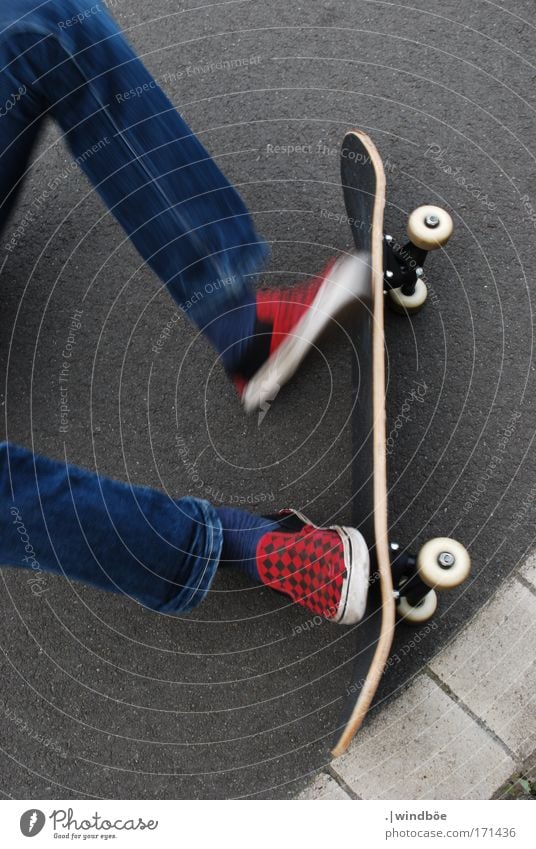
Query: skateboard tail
[{"x": 368, "y": 691}]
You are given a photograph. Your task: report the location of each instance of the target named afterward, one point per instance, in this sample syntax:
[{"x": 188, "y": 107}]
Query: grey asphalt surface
[{"x": 242, "y": 697}]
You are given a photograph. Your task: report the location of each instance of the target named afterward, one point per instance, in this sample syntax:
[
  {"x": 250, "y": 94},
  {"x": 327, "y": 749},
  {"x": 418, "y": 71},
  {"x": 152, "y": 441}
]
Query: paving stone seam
[
  {"x": 332, "y": 772},
  {"x": 527, "y": 584},
  {"x": 470, "y": 713}
]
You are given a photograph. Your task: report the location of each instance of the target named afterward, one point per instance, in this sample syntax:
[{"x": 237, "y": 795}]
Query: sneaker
[
  {"x": 289, "y": 321},
  {"x": 325, "y": 570}
]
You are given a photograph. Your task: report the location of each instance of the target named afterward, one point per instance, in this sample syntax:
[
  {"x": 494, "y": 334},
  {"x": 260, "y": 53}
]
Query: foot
[
  {"x": 325, "y": 570},
  {"x": 289, "y": 321}
]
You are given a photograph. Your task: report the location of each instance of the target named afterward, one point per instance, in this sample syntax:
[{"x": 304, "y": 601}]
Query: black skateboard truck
[
  {"x": 441, "y": 564},
  {"x": 428, "y": 228}
]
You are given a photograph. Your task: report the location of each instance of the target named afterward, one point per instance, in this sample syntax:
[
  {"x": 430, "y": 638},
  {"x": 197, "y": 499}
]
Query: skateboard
[{"x": 402, "y": 586}]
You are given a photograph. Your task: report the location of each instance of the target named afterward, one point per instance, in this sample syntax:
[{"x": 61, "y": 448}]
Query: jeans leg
[
  {"x": 188, "y": 223},
  {"x": 132, "y": 540}
]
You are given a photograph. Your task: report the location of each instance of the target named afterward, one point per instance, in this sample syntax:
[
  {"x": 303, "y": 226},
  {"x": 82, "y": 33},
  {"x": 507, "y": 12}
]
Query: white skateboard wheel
[
  {"x": 443, "y": 563},
  {"x": 420, "y": 612},
  {"x": 409, "y": 303},
  {"x": 429, "y": 227}
]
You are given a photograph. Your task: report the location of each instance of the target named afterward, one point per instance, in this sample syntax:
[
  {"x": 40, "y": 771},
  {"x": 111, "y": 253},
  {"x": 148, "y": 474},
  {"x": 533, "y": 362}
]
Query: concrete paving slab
[
  {"x": 424, "y": 746},
  {"x": 491, "y": 666}
]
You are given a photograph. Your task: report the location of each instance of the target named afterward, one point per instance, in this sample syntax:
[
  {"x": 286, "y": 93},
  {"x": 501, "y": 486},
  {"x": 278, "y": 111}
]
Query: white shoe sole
[
  {"x": 348, "y": 281},
  {"x": 356, "y": 584}
]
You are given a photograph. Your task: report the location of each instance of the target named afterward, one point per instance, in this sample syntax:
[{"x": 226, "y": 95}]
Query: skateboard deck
[
  {"x": 399, "y": 581},
  {"x": 363, "y": 182}
]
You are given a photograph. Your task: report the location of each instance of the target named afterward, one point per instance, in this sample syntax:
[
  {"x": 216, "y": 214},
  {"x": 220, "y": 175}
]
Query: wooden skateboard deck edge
[{"x": 383, "y": 647}]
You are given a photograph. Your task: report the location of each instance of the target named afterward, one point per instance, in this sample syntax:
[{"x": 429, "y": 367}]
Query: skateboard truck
[
  {"x": 442, "y": 563},
  {"x": 428, "y": 228}
]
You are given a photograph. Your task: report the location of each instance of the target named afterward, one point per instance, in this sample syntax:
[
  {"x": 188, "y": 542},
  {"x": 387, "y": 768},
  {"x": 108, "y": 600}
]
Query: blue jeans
[
  {"x": 55, "y": 517},
  {"x": 68, "y": 59}
]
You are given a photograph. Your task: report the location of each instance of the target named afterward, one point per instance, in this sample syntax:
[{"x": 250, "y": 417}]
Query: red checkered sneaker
[{"x": 325, "y": 570}]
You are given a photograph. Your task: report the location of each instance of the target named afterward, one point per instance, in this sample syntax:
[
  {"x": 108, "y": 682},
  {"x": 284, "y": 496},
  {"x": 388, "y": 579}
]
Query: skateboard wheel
[
  {"x": 420, "y": 612},
  {"x": 409, "y": 303},
  {"x": 443, "y": 563},
  {"x": 429, "y": 227}
]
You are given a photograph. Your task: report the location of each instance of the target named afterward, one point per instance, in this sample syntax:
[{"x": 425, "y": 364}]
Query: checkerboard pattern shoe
[
  {"x": 325, "y": 570},
  {"x": 289, "y": 321}
]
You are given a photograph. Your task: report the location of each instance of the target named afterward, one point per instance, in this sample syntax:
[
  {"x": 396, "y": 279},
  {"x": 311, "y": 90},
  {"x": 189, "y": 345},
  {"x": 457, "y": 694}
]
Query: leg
[
  {"x": 186, "y": 220},
  {"x": 163, "y": 553},
  {"x": 175, "y": 204},
  {"x": 131, "y": 540}
]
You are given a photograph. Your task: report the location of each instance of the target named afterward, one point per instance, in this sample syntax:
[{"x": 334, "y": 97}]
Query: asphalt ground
[{"x": 241, "y": 698}]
